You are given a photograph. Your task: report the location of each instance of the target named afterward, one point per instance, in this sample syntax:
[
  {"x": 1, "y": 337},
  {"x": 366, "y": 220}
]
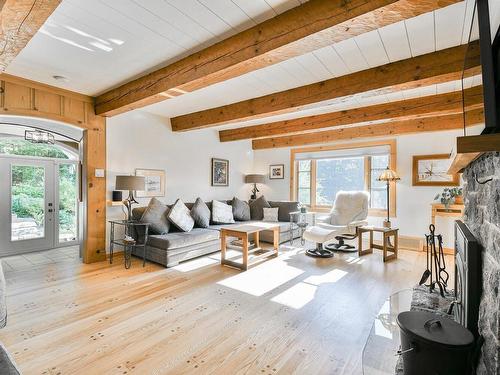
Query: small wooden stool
[{"x": 386, "y": 247}]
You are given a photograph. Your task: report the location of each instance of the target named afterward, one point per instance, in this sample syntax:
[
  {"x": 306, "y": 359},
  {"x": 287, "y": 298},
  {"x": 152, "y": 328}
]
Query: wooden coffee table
[{"x": 243, "y": 232}]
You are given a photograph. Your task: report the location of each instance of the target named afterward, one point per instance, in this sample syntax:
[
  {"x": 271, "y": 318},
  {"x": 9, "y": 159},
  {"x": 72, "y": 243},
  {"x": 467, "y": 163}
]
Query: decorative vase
[
  {"x": 459, "y": 199},
  {"x": 303, "y": 209}
]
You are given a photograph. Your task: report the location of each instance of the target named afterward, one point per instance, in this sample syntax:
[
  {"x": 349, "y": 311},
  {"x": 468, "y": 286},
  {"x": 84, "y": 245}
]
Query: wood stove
[{"x": 468, "y": 275}]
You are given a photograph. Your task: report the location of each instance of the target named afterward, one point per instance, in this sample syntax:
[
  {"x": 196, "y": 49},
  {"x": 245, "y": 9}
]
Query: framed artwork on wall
[
  {"x": 220, "y": 172},
  {"x": 277, "y": 172},
  {"x": 155, "y": 183},
  {"x": 432, "y": 170}
]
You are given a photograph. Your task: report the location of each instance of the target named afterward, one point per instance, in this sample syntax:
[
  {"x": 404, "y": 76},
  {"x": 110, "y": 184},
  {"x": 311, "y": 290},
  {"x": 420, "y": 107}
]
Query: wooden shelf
[{"x": 470, "y": 148}]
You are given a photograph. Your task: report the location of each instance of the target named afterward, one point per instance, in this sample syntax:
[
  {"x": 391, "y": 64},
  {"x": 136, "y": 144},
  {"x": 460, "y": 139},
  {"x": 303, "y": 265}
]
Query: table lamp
[
  {"x": 388, "y": 175},
  {"x": 254, "y": 179},
  {"x": 130, "y": 183}
]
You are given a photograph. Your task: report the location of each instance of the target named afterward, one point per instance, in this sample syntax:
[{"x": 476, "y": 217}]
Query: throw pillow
[
  {"x": 181, "y": 217},
  {"x": 241, "y": 210},
  {"x": 285, "y": 208},
  {"x": 200, "y": 213},
  {"x": 270, "y": 214},
  {"x": 256, "y": 206},
  {"x": 222, "y": 213},
  {"x": 156, "y": 215}
]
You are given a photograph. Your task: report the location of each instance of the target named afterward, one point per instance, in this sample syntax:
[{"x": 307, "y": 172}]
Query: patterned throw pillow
[
  {"x": 200, "y": 213},
  {"x": 270, "y": 214},
  {"x": 222, "y": 213},
  {"x": 256, "y": 207},
  {"x": 241, "y": 210},
  {"x": 181, "y": 217},
  {"x": 156, "y": 215}
]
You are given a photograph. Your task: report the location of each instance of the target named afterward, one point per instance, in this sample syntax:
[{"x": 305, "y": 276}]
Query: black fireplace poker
[{"x": 435, "y": 270}]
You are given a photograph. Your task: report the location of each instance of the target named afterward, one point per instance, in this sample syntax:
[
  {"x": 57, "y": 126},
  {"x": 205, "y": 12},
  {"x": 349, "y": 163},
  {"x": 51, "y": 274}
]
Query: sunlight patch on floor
[
  {"x": 297, "y": 296},
  {"x": 263, "y": 278},
  {"x": 195, "y": 264},
  {"x": 329, "y": 277}
]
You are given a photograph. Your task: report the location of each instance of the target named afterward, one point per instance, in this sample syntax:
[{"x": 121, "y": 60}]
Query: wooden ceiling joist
[
  {"x": 308, "y": 27},
  {"x": 426, "y": 124},
  {"x": 436, "y": 67},
  {"x": 427, "y": 106},
  {"x": 19, "y": 21}
]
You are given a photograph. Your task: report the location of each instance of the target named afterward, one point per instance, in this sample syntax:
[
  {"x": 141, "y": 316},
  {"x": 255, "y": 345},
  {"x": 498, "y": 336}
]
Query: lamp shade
[
  {"x": 388, "y": 175},
  {"x": 137, "y": 183},
  {"x": 255, "y": 178}
]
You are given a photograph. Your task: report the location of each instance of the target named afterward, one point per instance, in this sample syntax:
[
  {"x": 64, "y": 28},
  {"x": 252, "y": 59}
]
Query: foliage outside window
[
  {"x": 21, "y": 147},
  {"x": 319, "y": 180}
]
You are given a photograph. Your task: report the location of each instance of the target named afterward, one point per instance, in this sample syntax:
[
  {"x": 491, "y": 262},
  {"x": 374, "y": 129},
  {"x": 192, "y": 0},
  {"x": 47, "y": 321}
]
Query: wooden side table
[
  {"x": 243, "y": 232},
  {"x": 387, "y": 247},
  {"x": 453, "y": 210}
]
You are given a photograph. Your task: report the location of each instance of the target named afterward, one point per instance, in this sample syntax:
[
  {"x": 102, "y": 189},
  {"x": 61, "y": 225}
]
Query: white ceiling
[{"x": 99, "y": 44}]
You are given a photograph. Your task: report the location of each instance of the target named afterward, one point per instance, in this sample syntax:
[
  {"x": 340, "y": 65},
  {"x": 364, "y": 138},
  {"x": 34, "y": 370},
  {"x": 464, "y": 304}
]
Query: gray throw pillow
[
  {"x": 241, "y": 210},
  {"x": 285, "y": 207},
  {"x": 222, "y": 213},
  {"x": 180, "y": 216},
  {"x": 156, "y": 215},
  {"x": 256, "y": 208},
  {"x": 200, "y": 213}
]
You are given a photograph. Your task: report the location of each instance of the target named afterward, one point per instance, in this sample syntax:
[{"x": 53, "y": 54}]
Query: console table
[
  {"x": 386, "y": 247},
  {"x": 453, "y": 210}
]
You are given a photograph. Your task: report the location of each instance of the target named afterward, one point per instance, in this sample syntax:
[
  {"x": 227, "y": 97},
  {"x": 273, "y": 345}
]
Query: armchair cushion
[{"x": 349, "y": 206}]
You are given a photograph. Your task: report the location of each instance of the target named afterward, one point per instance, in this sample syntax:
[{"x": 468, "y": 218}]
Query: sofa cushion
[
  {"x": 270, "y": 214},
  {"x": 241, "y": 210},
  {"x": 138, "y": 212},
  {"x": 256, "y": 206},
  {"x": 200, "y": 213},
  {"x": 285, "y": 207},
  {"x": 175, "y": 240},
  {"x": 180, "y": 216},
  {"x": 222, "y": 213},
  {"x": 156, "y": 214}
]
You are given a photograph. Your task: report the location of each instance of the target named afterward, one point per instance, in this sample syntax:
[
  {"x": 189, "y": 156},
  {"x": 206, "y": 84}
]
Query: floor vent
[{"x": 411, "y": 243}]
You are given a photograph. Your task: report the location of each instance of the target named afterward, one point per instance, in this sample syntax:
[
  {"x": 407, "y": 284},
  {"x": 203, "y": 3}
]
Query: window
[{"x": 322, "y": 172}]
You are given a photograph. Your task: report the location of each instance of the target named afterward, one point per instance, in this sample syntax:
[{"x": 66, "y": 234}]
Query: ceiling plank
[
  {"x": 436, "y": 67},
  {"x": 426, "y": 124},
  {"x": 305, "y": 28},
  {"x": 427, "y": 106},
  {"x": 19, "y": 21}
]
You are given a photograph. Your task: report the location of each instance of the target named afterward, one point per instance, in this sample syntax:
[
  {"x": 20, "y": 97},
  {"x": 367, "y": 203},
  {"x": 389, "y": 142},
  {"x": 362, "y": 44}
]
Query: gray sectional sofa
[{"x": 177, "y": 246}]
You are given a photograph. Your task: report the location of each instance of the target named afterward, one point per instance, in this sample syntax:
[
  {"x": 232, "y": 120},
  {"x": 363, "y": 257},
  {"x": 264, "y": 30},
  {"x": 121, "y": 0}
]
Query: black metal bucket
[{"x": 434, "y": 345}]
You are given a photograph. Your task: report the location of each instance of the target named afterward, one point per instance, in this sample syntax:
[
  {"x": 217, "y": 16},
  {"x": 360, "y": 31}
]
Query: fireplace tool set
[{"x": 435, "y": 272}]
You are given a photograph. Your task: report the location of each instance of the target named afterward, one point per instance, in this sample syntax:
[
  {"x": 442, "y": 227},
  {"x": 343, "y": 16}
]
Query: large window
[{"x": 321, "y": 173}]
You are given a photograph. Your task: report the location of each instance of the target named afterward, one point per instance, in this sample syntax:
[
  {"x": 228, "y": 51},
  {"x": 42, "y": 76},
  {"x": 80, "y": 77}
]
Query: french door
[{"x": 39, "y": 209}]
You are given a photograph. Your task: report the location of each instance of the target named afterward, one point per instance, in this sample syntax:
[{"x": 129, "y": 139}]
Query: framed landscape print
[
  {"x": 220, "y": 172},
  {"x": 155, "y": 182},
  {"x": 432, "y": 170},
  {"x": 277, "y": 172}
]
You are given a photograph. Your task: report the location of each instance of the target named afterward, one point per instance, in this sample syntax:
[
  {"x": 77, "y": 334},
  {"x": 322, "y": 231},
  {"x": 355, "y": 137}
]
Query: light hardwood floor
[{"x": 290, "y": 315}]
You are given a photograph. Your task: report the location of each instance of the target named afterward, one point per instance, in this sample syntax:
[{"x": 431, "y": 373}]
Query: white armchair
[{"x": 349, "y": 212}]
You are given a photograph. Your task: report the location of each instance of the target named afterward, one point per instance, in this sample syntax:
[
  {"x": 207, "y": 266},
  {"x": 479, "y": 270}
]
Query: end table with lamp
[{"x": 129, "y": 243}]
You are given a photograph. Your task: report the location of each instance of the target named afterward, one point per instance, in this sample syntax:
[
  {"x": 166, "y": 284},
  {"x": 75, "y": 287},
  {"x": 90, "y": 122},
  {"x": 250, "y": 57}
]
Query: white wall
[
  {"x": 142, "y": 140},
  {"x": 412, "y": 202}
]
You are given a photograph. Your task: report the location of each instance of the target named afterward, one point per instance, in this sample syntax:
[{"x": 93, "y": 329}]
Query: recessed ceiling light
[{"x": 60, "y": 78}]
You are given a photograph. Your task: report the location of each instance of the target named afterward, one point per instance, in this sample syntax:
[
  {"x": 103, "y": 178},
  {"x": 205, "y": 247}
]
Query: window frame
[{"x": 367, "y": 165}]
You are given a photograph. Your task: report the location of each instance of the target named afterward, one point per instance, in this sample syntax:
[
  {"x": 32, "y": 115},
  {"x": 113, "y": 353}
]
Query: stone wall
[{"x": 482, "y": 216}]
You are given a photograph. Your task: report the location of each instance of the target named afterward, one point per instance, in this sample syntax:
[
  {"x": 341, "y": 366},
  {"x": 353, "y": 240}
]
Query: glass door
[{"x": 40, "y": 210}]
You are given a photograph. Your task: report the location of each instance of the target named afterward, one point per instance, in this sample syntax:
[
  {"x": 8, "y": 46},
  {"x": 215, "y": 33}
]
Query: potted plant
[{"x": 450, "y": 196}]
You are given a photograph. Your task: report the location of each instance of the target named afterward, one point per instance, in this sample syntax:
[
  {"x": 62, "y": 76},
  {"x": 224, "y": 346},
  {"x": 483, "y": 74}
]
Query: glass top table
[{"x": 380, "y": 351}]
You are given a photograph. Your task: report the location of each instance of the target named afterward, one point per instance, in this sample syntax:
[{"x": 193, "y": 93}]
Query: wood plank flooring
[{"x": 290, "y": 315}]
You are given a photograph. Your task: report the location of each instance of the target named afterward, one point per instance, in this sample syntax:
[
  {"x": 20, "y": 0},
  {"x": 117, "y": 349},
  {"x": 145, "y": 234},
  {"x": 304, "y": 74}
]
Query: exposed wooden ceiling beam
[
  {"x": 427, "y": 106},
  {"x": 426, "y": 124},
  {"x": 436, "y": 67},
  {"x": 308, "y": 27},
  {"x": 19, "y": 21}
]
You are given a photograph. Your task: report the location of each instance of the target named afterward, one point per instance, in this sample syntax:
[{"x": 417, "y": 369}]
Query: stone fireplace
[{"x": 482, "y": 216}]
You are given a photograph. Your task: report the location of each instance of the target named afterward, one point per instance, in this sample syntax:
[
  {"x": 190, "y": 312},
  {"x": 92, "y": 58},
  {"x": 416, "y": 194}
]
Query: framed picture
[
  {"x": 432, "y": 170},
  {"x": 220, "y": 172},
  {"x": 277, "y": 172},
  {"x": 155, "y": 183}
]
